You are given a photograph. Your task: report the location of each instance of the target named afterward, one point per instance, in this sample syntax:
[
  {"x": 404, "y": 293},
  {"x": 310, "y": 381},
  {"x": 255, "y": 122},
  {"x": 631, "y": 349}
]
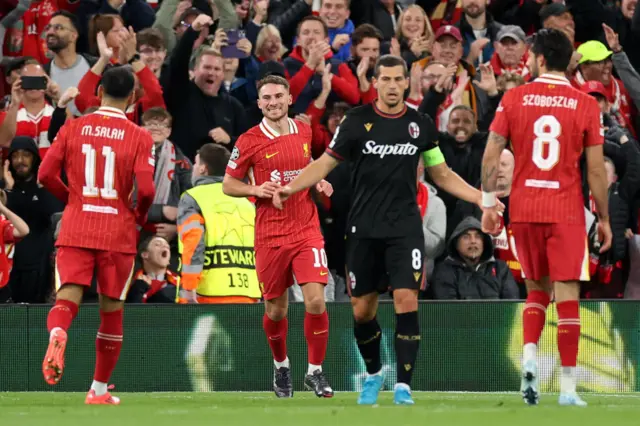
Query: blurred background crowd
[{"x": 197, "y": 63}]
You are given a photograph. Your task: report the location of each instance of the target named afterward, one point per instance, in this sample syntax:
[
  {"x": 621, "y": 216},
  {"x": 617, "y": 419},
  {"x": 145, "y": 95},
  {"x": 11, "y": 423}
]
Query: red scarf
[
  {"x": 520, "y": 69},
  {"x": 156, "y": 285},
  {"x": 423, "y": 198},
  {"x": 447, "y": 12}
]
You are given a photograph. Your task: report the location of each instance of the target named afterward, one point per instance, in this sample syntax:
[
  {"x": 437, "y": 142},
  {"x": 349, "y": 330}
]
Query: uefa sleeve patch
[
  {"x": 235, "y": 154},
  {"x": 232, "y": 165}
]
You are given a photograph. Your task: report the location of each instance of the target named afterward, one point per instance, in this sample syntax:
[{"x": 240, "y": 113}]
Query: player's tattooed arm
[{"x": 491, "y": 161}]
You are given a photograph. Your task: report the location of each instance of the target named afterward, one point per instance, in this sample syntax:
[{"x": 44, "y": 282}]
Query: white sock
[
  {"x": 312, "y": 368},
  {"x": 284, "y": 363},
  {"x": 99, "y": 388},
  {"x": 568, "y": 380},
  {"x": 530, "y": 351}
]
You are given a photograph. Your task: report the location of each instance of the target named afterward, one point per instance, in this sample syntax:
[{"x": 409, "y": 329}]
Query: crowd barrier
[{"x": 465, "y": 346}]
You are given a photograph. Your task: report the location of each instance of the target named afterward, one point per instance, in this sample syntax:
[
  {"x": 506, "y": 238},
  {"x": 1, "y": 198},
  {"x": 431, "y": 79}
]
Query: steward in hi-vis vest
[{"x": 216, "y": 237}]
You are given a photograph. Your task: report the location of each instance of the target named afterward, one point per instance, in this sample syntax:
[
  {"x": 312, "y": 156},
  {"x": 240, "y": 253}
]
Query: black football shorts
[{"x": 381, "y": 265}]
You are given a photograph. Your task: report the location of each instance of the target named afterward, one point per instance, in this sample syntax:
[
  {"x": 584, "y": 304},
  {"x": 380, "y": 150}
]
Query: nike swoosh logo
[
  {"x": 320, "y": 332},
  {"x": 323, "y": 273},
  {"x": 271, "y": 155}
]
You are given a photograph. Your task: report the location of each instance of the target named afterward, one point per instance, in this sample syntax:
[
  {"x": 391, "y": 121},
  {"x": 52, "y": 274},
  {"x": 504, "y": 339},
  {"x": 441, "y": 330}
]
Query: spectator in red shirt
[
  {"x": 12, "y": 229},
  {"x": 151, "y": 94},
  {"x": 311, "y": 58},
  {"x": 115, "y": 33},
  {"x": 29, "y": 113}
]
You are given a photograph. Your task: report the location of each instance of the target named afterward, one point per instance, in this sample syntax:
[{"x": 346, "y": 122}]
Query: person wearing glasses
[{"x": 67, "y": 66}]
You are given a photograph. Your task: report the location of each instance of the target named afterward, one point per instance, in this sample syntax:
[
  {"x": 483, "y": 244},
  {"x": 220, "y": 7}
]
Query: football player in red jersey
[
  {"x": 101, "y": 154},
  {"x": 288, "y": 242},
  {"x": 550, "y": 124}
]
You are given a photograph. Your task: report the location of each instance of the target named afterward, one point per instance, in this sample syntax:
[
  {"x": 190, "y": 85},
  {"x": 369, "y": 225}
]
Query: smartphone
[
  {"x": 33, "y": 83},
  {"x": 231, "y": 50}
]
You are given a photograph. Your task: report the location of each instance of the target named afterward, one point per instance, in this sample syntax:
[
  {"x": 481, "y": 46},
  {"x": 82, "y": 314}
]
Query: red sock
[
  {"x": 108, "y": 345},
  {"x": 533, "y": 315},
  {"x": 61, "y": 315},
  {"x": 276, "y": 332},
  {"x": 316, "y": 331},
  {"x": 568, "y": 332}
]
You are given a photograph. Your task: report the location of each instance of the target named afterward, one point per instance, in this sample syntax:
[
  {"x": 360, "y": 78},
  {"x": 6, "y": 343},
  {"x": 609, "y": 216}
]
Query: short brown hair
[
  {"x": 313, "y": 18},
  {"x": 156, "y": 113},
  {"x": 273, "y": 79},
  {"x": 215, "y": 157},
  {"x": 151, "y": 37},
  {"x": 207, "y": 51},
  {"x": 365, "y": 31},
  {"x": 100, "y": 24}
]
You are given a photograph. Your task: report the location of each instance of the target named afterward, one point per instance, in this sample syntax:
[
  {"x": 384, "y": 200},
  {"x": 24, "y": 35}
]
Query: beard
[
  {"x": 56, "y": 44},
  {"x": 474, "y": 11}
]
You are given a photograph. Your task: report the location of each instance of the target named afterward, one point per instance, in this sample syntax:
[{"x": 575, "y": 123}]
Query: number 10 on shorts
[{"x": 320, "y": 258}]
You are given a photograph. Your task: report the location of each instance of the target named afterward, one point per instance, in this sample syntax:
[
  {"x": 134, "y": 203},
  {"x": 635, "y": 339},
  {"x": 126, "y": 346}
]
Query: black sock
[
  {"x": 368, "y": 337},
  {"x": 407, "y": 343}
]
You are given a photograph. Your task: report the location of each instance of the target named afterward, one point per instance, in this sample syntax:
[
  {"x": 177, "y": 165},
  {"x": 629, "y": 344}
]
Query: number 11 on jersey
[{"x": 90, "y": 189}]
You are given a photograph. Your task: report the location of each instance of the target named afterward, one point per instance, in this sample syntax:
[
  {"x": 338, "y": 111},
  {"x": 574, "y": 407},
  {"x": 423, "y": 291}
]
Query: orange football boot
[
  {"x": 106, "y": 399},
  {"x": 53, "y": 363}
]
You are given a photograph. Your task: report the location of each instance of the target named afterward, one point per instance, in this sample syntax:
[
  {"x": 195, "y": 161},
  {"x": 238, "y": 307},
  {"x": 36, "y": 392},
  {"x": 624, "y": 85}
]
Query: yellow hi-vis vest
[{"x": 229, "y": 267}]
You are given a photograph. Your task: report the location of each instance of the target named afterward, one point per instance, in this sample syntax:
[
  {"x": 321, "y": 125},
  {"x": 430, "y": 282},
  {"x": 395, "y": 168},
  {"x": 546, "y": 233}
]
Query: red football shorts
[
  {"x": 276, "y": 266},
  {"x": 75, "y": 265},
  {"x": 556, "y": 250}
]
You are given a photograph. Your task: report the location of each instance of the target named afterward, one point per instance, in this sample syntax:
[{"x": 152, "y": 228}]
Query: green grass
[{"x": 263, "y": 409}]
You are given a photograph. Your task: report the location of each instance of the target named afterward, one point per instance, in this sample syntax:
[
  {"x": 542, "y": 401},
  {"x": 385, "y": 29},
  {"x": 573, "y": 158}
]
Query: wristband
[{"x": 488, "y": 199}]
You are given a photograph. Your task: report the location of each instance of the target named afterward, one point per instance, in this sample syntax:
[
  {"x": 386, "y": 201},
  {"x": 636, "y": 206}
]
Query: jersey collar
[
  {"x": 271, "y": 133},
  {"x": 553, "y": 79},
  {"x": 111, "y": 112}
]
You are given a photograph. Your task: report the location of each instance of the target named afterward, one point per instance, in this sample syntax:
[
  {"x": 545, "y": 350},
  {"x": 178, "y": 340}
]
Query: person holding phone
[{"x": 29, "y": 94}]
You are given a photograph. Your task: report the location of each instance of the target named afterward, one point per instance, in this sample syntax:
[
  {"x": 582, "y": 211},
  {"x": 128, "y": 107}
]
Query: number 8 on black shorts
[{"x": 381, "y": 265}]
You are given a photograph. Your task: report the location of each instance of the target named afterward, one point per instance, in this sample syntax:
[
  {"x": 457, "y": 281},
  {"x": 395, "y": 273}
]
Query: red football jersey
[
  {"x": 6, "y": 250},
  {"x": 265, "y": 156},
  {"x": 34, "y": 126},
  {"x": 549, "y": 123},
  {"x": 101, "y": 154}
]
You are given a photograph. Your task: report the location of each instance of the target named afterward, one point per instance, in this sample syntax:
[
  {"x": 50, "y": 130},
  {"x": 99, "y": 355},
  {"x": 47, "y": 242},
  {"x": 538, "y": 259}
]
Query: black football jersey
[{"x": 383, "y": 151}]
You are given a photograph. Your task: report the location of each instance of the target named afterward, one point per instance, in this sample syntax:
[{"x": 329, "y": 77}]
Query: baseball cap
[
  {"x": 449, "y": 30},
  {"x": 271, "y": 68},
  {"x": 192, "y": 11},
  {"x": 594, "y": 86},
  {"x": 593, "y": 51},
  {"x": 511, "y": 31},
  {"x": 553, "y": 9},
  {"x": 14, "y": 64}
]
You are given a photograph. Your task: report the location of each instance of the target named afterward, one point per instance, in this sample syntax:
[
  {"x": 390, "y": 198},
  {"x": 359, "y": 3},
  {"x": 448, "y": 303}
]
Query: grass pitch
[{"x": 264, "y": 409}]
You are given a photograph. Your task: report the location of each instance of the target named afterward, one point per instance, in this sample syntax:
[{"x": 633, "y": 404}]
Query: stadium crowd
[{"x": 197, "y": 63}]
